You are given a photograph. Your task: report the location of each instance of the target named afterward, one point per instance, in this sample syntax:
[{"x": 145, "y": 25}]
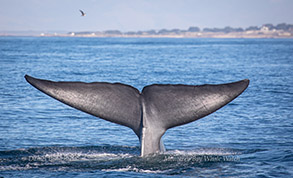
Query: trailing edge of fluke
[{"x": 148, "y": 113}]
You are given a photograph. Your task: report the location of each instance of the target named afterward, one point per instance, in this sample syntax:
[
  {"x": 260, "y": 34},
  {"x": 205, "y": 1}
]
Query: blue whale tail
[{"x": 148, "y": 113}]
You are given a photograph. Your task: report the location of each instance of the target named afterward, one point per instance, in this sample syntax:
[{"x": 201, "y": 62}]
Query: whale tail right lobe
[
  {"x": 172, "y": 105},
  {"x": 149, "y": 113},
  {"x": 167, "y": 106}
]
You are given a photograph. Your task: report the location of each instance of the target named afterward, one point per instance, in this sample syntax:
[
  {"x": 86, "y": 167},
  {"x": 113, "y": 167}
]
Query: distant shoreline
[
  {"x": 247, "y": 34},
  {"x": 282, "y": 30},
  {"x": 202, "y": 35}
]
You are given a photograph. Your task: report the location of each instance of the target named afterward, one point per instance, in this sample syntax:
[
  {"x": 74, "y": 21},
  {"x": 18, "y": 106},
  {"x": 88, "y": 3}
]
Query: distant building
[{"x": 264, "y": 29}]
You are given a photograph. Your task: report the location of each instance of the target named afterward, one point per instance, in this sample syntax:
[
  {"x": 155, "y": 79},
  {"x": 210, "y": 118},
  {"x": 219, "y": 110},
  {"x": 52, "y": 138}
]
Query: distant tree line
[{"x": 281, "y": 26}]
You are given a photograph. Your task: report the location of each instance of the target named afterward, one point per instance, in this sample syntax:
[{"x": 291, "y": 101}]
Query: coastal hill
[{"x": 282, "y": 30}]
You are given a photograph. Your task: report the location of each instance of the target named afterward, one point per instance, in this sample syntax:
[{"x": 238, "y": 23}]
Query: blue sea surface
[{"x": 250, "y": 137}]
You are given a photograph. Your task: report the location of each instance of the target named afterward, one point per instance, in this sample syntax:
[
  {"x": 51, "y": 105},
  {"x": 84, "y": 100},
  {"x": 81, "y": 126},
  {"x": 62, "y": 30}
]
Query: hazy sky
[{"x": 128, "y": 15}]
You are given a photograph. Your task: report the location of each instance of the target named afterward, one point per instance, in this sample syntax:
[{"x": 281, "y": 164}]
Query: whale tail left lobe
[{"x": 118, "y": 103}]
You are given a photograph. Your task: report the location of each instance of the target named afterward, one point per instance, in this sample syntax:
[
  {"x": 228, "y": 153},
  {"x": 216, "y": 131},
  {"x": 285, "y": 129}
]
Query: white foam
[
  {"x": 134, "y": 169},
  {"x": 205, "y": 151},
  {"x": 15, "y": 168},
  {"x": 55, "y": 158},
  {"x": 71, "y": 156},
  {"x": 35, "y": 161}
]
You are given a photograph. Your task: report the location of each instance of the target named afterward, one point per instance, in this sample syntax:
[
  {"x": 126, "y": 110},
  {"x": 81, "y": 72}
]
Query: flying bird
[{"x": 82, "y": 13}]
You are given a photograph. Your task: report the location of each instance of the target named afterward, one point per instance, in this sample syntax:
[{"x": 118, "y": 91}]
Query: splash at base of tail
[{"x": 148, "y": 113}]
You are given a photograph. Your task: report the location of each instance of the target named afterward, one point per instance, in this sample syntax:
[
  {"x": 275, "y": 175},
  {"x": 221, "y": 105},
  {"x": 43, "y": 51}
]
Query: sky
[{"x": 135, "y": 15}]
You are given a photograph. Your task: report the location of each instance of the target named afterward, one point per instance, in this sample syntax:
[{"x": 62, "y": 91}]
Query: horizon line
[{"x": 174, "y": 28}]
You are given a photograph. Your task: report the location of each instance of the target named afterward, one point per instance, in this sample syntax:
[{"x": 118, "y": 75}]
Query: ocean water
[{"x": 250, "y": 137}]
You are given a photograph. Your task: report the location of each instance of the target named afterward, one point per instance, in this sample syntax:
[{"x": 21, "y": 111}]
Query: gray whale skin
[{"x": 148, "y": 113}]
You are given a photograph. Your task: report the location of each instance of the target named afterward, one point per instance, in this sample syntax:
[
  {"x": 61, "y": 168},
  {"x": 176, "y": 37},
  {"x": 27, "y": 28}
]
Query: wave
[{"x": 113, "y": 159}]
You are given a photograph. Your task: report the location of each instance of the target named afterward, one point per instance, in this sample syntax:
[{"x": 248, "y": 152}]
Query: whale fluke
[{"x": 149, "y": 113}]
